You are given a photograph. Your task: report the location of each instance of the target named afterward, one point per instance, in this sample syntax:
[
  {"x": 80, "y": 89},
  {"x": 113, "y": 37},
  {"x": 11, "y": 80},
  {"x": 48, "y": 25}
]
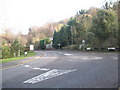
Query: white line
[
  {"x": 47, "y": 75},
  {"x": 59, "y": 52},
  {"x": 37, "y": 68},
  {"x": 97, "y": 58},
  {"x": 37, "y": 57},
  {"x": 115, "y": 58},
  {"x": 85, "y": 58},
  {"x": 27, "y": 66},
  {"x": 68, "y": 54},
  {"x": 42, "y": 69},
  {"x": 92, "y": 58}
]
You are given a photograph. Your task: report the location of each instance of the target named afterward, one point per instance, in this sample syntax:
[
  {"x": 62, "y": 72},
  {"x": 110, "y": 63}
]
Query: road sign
[
  {"x": 83, "y": 41},
  {"x": 31, "y": 47},
  {"x": 25, "y": 53}
]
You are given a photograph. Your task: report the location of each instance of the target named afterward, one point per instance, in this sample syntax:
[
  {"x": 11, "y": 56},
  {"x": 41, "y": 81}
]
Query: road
[{"x": 63, "y": 69}]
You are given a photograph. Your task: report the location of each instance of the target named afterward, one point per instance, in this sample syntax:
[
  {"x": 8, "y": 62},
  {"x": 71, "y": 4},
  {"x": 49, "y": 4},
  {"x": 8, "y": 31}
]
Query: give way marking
[
  {"x": 50, "y": 74},
  {"x": 36, "y": 68}
]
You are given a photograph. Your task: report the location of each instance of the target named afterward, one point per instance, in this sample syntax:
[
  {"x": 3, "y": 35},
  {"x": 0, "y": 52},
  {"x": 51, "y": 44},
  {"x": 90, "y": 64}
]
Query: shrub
[
  {"x": 71, "y": 47},
  {"x": 6, "y": 52}
]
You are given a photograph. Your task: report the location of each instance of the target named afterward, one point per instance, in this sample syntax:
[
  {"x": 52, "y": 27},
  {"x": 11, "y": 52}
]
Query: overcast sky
[{"x": 19, "y": 15}]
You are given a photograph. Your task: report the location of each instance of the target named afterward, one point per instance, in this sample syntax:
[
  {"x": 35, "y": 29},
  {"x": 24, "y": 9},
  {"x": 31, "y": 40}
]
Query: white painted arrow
[{"x": 47, "y": 75}]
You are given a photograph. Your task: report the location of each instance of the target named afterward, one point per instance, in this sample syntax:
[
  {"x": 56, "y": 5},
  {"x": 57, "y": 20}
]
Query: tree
[
  {"x": 42, "y": 44},
  {"x": 56, "y": 39},
  {"x": 15, "y": 47},
  {"x": 119, "y": 23},
  {"x": 82, "y": 11},
  {"x": 64, "y": 36},
  {"x": 105, "y": 25},
  {"x": 47, "y": 40}
]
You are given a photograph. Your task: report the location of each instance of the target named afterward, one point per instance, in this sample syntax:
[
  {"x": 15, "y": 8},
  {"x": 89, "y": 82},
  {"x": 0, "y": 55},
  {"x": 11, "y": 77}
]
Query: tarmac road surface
[{"x": 62, "y": 69}]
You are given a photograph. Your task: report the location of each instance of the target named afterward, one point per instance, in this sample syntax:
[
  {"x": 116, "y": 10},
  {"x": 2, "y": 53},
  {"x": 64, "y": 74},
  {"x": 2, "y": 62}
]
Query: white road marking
[
  {"x": 43, "y": 69},
  {"x": 85, "y": 58},
  {"x": 47, "y": 75},
  {"x": 68, "y": 54},
  {"x": 27, "y": 66},
  {"x": 93, "y": 53},
  {"x": 59, "y": 52},
  {"x": 37, "y": 68},
  {"x": 92, "y": 58},
  {"x": 115, "y": 58},
  {"x": 37, "y": 57},
  {"x": 97, "y": 58}
]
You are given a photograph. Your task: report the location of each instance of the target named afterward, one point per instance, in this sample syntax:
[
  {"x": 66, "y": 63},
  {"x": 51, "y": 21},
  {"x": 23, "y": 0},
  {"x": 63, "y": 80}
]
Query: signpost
[
  {"x": 59, "y": 46},
  {"x": 31, "y": 47},
  {"x": 83, "y": 43},
  {"x": 25, "y": 53}
]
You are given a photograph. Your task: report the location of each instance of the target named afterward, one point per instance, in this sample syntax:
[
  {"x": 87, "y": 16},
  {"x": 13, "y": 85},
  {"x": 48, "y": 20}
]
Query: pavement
[{"x": 62, "y": 69}]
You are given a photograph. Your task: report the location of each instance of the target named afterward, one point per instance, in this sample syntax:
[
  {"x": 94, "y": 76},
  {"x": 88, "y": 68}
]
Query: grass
[{"x": 17, "y": 58}]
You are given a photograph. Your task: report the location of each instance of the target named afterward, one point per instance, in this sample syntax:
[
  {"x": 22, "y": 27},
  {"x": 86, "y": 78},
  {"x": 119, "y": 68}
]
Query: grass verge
[{"x": 30, "y": 53}]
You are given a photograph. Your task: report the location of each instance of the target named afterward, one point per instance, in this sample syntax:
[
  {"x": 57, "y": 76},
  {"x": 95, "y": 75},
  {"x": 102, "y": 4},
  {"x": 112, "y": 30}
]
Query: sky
[{"x": 19, "y": 15}]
